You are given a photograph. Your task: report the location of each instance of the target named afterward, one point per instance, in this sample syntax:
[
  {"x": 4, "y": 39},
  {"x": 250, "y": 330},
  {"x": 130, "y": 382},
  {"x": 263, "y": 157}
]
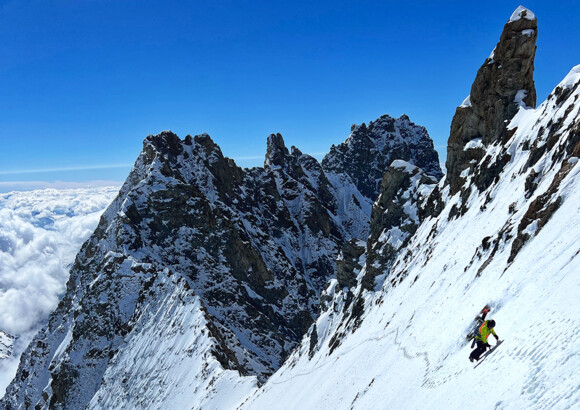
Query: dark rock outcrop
[
  {"x": 395, "y": 217},
  {"x": 348, "y": 264}
]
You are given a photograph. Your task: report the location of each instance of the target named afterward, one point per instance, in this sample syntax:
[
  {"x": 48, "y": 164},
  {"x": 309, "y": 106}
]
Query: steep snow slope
[
  {"x": 514, "y": 245},
  {"x": 167, "y": 360}
]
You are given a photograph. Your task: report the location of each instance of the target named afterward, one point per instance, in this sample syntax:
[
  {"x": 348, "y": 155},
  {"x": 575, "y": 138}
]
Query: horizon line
[{"x": 112, "y": 166}]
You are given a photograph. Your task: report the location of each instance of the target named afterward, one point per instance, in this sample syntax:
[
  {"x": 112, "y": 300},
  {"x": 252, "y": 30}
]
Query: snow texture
[
  {"x": 172, "y": 347},
  {"x": 522, "y": 12},
  {"x": 467, "y": 102}
]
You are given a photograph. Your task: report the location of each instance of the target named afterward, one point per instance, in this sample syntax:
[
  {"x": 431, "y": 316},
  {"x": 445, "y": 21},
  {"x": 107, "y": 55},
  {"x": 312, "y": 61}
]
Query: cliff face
[
  {"x": 502, "y": 85},
  {"x": 218, "y": 267}
]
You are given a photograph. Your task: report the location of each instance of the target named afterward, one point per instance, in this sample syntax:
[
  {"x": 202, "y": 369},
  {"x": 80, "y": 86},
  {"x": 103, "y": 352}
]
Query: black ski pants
[{"x": 479, "y": 350}]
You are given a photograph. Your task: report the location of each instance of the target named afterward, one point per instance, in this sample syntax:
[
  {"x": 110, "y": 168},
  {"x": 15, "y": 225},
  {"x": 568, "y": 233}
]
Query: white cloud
[{"x": 40, "y": 234}]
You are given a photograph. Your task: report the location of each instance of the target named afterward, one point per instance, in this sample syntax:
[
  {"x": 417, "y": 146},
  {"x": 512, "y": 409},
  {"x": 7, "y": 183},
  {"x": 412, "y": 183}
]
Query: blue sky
[{"x": 83, "y": 82}]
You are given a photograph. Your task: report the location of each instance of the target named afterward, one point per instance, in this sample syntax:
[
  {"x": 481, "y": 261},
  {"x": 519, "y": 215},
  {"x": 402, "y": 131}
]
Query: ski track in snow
[
  {"x": 533, "y": 356},
  {"x": 428, "y": 381}
]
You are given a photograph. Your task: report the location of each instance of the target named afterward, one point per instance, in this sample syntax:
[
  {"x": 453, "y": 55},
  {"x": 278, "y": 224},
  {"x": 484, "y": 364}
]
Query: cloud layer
[{"x": 40, "y": 234}]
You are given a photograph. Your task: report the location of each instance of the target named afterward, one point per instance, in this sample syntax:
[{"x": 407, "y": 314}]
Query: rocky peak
[
  {"x": 502, "y": 85},
  {"x": 166, "y": 142},
  {"x": 369, "y": 150},
  {"x": 276, "y": 152}
]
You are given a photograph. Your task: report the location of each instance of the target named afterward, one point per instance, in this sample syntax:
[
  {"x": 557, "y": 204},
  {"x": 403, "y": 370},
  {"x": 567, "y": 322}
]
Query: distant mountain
[{"x": 201, "y": 273}]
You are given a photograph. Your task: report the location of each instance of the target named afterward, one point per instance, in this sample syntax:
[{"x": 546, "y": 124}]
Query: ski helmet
[{"x": 491, "y": 324}]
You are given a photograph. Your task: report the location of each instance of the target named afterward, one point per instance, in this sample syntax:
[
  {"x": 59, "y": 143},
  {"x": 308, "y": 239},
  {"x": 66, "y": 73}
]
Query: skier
[{"x": 481, "y": 339}]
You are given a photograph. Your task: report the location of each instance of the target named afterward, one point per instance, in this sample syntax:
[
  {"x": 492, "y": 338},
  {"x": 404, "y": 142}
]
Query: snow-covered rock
[
  {"x": 522, "y": 12},
  {"x": 6, "y": 345}
]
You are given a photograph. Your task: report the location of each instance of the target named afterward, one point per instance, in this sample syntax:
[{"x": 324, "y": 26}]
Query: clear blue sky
[{"x": 82, "y": 82}]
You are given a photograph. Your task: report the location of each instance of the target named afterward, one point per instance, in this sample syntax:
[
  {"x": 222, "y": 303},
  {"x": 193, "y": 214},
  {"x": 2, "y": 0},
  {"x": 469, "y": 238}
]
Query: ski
[
  {"x": 488, "y": 353},
  {"x": 478, "y": 321}
]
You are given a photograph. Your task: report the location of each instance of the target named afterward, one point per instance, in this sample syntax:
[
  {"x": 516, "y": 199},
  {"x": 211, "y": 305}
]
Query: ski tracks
[
  {"x": 546, "y": 355},
  {"x": 428, "y": 380},
  {"x": 434, "y": 376}
]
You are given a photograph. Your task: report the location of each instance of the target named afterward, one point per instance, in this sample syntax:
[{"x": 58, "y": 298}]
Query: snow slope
[
  {"x": 166, "y": 360},
  {"x": 409, "y": 350}
]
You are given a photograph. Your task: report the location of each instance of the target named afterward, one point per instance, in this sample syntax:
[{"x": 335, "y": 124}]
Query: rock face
[
  {"x": 502, "y": 84},
  {"x": 349, "y": 263},
  {"x": 395, "y": 218},
  {"x": 234, "y": 260}
]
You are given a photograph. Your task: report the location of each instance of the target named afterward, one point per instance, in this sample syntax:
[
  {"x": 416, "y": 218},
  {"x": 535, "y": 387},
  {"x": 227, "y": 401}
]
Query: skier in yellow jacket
[{"x": 485, "y": 330}]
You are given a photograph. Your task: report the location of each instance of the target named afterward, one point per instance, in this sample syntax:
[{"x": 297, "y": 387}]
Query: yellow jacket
[{"x": 484, "y": 332}]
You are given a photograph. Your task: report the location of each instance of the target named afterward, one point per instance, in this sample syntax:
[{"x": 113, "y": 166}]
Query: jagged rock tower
[{"x": 502, "y": 84}]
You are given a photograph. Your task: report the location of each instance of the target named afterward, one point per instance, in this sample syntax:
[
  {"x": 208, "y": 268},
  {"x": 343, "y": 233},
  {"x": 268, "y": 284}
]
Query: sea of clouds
[{"x": 40, "y": 235}]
